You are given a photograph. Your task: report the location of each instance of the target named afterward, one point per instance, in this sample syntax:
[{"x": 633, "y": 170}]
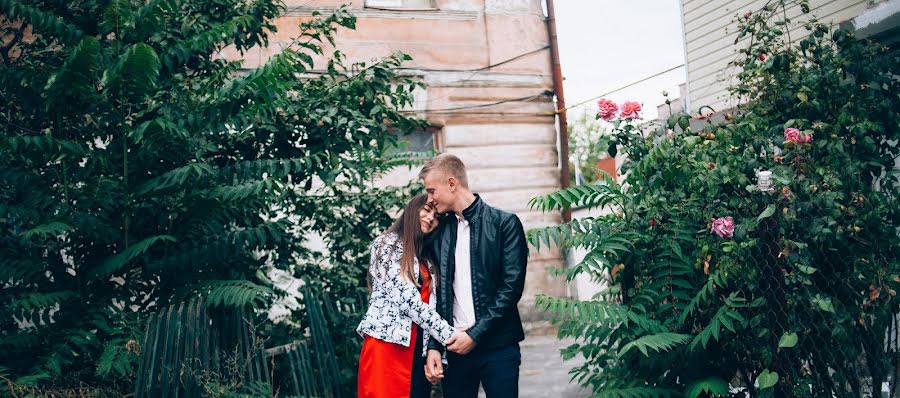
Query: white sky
[{"x": 606, "y": 44}]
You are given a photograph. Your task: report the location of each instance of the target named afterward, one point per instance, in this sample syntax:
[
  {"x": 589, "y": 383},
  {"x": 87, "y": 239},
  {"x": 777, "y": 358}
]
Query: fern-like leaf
[
  {"x": 637, "y": 392},
  {"x": 36, "y": 301},
  {"x": 116, "y": 262},
  {"x": 230, "y": 193},
  {"x": 597, "y": 195},
  {"x": 657, "y": 342},
  {"x": 602, "y": 250},
  {"x": 221, "y": 248},
  {"x": 205, "y": 42},
  {"x": 278, "y": 68},
  {"x": 561, "y": 235},
  {"x": 726, "y": 317},
  {"x": 158, "y": 131},
  {"x": 48, "y": 145},
  {"x": 117, "y": 16},
  {"x": 76, "y": 78},
  {"x": 236, "y": 293},
  {"x": 115, "y": 359},
  {"x": 134, "y": 74},
  {"x": 177, "y": 177},
  {"x": 254, "y": 169},
  {"x": 53, "y": 229},
  {"x": 716, "y": 279},
  {"x": 595, "y": 312},
  {"x": 149, "y": 19},
  {"x": 42, "y": 22},
  {"x": 708, "y": 387}
]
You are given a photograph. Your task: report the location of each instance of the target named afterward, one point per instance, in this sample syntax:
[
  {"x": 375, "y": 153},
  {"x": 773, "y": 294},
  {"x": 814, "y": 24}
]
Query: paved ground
[{"x": 543, "y": 372}]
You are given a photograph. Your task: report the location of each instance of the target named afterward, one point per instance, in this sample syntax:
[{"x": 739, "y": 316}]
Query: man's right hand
[{"x": 434, "y": 369}]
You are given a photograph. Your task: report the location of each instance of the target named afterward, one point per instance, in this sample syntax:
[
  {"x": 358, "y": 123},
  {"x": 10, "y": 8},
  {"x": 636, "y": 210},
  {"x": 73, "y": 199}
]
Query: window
[
  {"x": 419, "y": 140},
  {"x": 402, "y": 4}
]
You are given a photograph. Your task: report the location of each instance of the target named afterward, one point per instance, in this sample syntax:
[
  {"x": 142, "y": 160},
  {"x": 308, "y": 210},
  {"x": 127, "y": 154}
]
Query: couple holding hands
[{"x": 445, "y": 279}]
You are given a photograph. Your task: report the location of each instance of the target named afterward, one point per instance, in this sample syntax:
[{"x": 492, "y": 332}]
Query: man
[{"x": 482, "y": 254}]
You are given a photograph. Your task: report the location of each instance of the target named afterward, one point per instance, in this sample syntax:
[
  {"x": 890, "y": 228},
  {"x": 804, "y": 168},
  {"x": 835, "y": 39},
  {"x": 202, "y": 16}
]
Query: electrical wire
[
  {"x": 522, "y": 99},
  {"x": 478, "y": 69},
  {"x": 620, "y": 88}
]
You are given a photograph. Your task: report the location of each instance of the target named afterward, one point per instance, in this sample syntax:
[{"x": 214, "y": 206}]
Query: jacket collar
[{"x": 474, "y": 209}]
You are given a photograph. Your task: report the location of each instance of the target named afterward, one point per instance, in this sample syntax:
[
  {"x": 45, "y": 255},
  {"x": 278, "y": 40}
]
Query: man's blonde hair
[{"x": 448, "y": 165}]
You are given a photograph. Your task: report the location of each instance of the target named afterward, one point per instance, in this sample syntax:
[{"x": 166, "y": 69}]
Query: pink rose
[
  {"x": 791, "y": 134},
  {"x": 630, "y": 109},
  {"x": 606, "y": 109},
  {"x": 724, "y": 227},
  {"x": 796, "y": 136}
]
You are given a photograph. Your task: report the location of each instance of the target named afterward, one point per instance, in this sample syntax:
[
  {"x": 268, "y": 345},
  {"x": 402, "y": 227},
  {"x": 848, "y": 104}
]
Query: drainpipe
[
  {"x": 560, "y": 106},
  {"x": 686, "y": 93}
]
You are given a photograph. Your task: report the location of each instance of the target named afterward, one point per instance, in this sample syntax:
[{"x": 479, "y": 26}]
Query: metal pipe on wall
[{"x": 560, "y": 105}]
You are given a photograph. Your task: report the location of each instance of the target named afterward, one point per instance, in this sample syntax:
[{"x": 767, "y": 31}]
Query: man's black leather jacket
[{"x": 499, "y": 254}]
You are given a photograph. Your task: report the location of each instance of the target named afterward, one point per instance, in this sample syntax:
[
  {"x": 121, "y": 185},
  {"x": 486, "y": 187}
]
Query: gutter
[{"x": 560, "y": 105}]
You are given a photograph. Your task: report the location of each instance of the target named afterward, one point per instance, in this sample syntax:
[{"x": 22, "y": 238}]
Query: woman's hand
[{"x": 434, "y": 369}]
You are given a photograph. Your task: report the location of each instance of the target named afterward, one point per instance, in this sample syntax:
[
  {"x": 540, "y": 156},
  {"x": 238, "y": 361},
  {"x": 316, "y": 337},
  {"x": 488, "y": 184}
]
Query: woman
[{"x": 400, "y": 319}]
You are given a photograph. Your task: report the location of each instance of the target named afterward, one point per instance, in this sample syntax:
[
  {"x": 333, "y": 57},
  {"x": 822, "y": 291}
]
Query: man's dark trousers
[{"x": 496, "y": 369}]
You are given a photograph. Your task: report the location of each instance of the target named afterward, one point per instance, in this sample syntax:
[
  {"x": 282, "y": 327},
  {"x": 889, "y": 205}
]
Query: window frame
[{"x": 389, "y": 5}]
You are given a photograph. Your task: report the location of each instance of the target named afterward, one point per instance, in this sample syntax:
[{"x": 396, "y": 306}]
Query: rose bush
[{"x": 720, "y": 284}]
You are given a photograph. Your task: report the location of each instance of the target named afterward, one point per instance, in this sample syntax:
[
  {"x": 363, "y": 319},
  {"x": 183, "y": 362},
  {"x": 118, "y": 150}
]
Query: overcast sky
[{"x": 607, "y": 44}]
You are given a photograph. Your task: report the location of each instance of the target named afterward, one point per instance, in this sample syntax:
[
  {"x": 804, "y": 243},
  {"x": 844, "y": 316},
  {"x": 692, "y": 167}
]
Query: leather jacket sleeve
[
  {"x": 433, "y": 344},
  {"x": 515, "y": 259}
]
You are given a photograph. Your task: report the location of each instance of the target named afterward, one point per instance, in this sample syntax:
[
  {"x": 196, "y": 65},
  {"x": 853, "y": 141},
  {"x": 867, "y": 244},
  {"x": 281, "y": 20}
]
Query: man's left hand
[{"x": 462, "y": 345}]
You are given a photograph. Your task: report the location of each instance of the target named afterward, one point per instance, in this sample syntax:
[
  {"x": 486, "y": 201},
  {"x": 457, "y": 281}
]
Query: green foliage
[
  {"x": 50, "y": 229},
  {"x": 237, "y": 293},
  {"x": 134, "y": 73},
  {"x": 726, "y": 318},
  {"x": 119, "y": 260},
  {"x": 710, "y": 387},
  {"x": 43, "y": 20},
  {"x": 140, "y": 170},
  {"x": 637, "y": 392},
  {"x": 588, "y": 142},
  {"x": 596, "y": 312},
  {"x": 656, "y": 342},
  {"x": 596, "y": 195},
  {"x": 74, "y": 81},
  {"x": 798, "y": 299},
  {"x": 766, "y": 379},
  {"x": 117, "y": 360}
]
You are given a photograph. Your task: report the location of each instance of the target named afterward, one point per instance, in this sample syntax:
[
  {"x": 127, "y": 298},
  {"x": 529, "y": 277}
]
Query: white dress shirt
[{"x": 463, "y": 305}]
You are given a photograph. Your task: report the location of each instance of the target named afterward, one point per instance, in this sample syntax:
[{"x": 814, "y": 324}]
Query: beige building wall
[
  {"x": 710, "y": 28},
  {"x": 510, "y": 149}
]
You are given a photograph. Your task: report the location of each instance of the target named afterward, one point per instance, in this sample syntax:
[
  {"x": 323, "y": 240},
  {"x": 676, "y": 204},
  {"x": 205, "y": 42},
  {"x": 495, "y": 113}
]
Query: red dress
[{"x": 385, "y": 369}]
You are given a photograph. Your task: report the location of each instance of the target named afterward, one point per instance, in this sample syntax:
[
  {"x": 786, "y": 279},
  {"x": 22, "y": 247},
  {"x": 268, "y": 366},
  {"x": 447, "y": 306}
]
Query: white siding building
[{"x": 710, "y": 28}]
